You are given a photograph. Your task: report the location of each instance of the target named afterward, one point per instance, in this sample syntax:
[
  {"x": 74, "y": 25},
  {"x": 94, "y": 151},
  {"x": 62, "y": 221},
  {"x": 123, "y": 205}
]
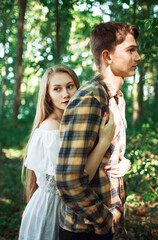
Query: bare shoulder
[{"x": 50, "y": 124}]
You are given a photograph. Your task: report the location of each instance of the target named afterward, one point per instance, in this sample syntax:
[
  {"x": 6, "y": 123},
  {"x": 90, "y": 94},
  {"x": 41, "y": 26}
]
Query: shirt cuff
[
  {"x": 106, "y": 225},
  {"x": 116, "y": 217}
]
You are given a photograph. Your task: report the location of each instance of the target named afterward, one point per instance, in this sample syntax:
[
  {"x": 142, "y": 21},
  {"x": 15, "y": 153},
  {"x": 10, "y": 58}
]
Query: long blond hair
[{"x": 43, "y": 110}]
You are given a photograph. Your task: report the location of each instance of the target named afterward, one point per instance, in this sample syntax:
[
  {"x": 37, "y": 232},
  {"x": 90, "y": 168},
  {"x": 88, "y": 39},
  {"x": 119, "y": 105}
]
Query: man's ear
[{"x": 106, "y": 56}]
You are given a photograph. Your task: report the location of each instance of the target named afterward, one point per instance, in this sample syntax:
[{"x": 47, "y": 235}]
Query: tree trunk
[
  {"x": 145, "y": 14},
  {"x": 4, "y": 64},
  {"x": 22, "y": 9},
  {"x": 140, "y": 91},
  {"x": 156, "y": 86},
  {"x": 135, "y": 103},
  {"x": 134, "y": 12},
  {"x": 57, "y": 50},
  {"x": 135, "y": 86},
  {"x": 3, "y": 82}
]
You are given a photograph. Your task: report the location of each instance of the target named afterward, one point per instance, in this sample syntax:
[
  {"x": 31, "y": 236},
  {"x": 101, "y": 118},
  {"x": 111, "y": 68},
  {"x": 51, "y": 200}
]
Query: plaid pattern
[{"x": 87, "y": 206}]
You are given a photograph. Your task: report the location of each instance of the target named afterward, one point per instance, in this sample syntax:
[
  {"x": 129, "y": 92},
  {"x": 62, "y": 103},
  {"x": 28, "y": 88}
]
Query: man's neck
[{"x": 115, "y": 81}]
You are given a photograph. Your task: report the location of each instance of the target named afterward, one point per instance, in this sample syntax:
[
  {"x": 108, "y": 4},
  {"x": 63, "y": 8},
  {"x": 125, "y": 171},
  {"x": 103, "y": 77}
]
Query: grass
[
  {"x": 141, "y": 219},
  {"x": 11, "y": 197}
]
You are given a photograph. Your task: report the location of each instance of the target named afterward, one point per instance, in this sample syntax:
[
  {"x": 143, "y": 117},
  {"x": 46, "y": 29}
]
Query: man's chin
[{"x": 131, "y": 74}]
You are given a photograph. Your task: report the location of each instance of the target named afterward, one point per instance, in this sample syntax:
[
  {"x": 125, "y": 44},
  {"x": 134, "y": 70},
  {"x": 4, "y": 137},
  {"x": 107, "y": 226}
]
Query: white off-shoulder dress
[{"x": 40, "y": 220}]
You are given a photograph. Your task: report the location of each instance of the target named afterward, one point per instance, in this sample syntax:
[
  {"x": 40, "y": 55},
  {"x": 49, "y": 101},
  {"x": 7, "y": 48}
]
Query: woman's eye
[
  {"x": 70, "y": 86},
  {"x": 57, "y": 89}
]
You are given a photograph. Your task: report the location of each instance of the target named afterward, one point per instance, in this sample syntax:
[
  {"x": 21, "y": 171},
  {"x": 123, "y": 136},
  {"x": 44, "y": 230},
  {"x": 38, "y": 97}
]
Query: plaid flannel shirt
[{"x": 90, "y": 206}]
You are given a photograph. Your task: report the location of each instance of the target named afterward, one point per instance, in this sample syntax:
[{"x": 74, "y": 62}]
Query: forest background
[{"x": 36, "y": 34}]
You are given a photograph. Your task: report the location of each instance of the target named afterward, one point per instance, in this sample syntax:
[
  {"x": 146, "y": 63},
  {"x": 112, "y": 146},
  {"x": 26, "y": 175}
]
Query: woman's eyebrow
[{"x": 61, "y": 84}]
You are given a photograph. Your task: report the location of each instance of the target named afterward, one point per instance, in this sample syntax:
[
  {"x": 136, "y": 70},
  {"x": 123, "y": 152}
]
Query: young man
[{"x": 91, "y": 210}]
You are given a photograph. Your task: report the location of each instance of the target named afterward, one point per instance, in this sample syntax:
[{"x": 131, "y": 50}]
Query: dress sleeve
[
  {"x": 43, "y": 151},
  {"x": 79, "y": 130}
]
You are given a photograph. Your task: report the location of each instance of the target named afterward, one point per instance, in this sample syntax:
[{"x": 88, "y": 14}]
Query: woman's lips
[{"x": 66, "y": 102}]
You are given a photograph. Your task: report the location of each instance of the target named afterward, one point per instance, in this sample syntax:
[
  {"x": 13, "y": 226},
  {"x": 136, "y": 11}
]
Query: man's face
[{"x": 125, "y": 57}]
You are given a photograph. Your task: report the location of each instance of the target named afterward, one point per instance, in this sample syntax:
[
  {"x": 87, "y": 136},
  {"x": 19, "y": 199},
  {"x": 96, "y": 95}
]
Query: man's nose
[{"x": 138, "y": 58}]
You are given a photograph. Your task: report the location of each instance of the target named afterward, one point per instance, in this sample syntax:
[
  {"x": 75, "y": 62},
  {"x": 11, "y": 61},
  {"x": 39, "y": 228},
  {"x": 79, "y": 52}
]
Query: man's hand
[{"x": 116, "y": 214}]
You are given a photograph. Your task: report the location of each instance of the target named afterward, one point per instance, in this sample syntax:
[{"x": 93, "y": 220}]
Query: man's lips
[{"x": 134, "y": 66}]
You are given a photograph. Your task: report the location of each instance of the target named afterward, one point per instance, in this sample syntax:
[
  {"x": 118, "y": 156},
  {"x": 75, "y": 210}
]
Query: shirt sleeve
[
  {"x": 79, "y": 130},
  {"x": 43, "y": 151}
]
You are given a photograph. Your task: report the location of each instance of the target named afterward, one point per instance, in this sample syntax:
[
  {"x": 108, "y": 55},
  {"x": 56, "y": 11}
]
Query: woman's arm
[
  {"x": 106, "y": 134},
  {"x": 31, "y": 184}
]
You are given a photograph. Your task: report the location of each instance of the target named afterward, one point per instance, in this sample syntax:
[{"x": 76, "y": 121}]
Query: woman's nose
[{"x": 65, "y": 93}]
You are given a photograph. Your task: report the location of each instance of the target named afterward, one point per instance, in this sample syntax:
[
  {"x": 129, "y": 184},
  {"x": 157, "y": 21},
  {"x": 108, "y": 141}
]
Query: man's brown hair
[{"x": 106, "y": 36}]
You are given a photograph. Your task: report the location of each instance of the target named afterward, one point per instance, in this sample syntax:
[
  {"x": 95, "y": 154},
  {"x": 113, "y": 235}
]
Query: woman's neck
[{"x": 57, "y": 115}]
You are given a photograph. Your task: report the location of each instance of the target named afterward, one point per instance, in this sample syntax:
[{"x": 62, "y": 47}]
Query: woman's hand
[
  {"x": 120, "y": 169},
  {"x": 107, "y": 129}
]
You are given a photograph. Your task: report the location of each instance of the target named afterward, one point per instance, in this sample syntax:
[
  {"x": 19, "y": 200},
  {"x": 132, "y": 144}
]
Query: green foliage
[
  {"x": 148, "y": 39},
  {"x": 15, "y": 132},
  {"x": 76, "y": 24},
  {"x": 143, "y": 152},
  {"x": 142, "y": 182},
  {"x": 11, "y": 197}
]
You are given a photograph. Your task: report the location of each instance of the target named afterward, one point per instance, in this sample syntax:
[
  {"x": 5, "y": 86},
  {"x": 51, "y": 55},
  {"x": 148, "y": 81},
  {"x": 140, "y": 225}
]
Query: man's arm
[{"x": 79, "y": 130}]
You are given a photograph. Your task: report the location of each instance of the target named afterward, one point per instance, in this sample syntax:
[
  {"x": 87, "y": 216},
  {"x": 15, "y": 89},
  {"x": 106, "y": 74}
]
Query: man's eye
[{"x": 132, "y": 50}]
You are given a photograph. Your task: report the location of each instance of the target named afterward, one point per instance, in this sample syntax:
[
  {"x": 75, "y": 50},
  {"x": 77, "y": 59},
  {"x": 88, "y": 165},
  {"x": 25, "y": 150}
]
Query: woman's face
[{"x": 61, "y": 89}]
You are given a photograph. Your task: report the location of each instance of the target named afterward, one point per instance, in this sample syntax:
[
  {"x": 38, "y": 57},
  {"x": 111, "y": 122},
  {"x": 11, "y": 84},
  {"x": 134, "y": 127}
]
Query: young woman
[{"x": 40, "y": 220}]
